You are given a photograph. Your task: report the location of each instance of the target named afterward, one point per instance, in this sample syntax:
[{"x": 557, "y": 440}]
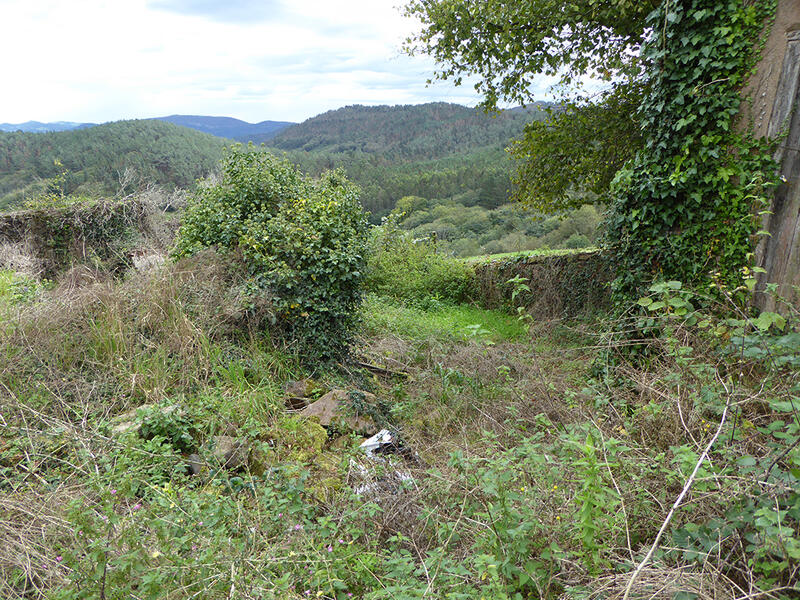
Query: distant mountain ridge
[
  {"x": 434, "y": 150},
  {"x": 39, "y": 127},
  {"x": 91, "y": 161},
  {"x": 224, "y": 127},
  {"x": 431, "y": 130},
  {"x": 228, "y": 127}
]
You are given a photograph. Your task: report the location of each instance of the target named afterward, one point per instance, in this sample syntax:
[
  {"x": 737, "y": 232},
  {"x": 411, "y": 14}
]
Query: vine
[{"x": 684, "y": 207}]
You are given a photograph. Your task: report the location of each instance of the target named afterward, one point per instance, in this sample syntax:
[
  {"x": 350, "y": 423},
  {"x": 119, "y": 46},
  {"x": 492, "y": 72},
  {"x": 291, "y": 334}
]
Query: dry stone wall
[{"x": 560, "y": 286}]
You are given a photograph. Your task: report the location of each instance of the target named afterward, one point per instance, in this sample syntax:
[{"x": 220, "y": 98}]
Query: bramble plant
[{"x": 303, "y": 241}]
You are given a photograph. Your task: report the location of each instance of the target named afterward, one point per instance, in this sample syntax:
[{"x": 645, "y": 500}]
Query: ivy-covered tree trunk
[{"x": 684, "y": 207}]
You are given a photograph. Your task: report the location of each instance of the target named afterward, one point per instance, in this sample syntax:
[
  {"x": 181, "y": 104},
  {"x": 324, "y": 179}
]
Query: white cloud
[{"x": 99, "y": 60}]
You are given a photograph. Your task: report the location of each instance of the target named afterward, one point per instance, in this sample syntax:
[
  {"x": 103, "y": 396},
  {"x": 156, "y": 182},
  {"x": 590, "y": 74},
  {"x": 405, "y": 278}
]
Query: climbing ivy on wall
[{"x": 683, "y": 208}]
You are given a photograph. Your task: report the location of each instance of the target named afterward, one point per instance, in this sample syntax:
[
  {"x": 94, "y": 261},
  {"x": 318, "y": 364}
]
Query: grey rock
[
  {"x": 333, "y": 409},
  {"x": 230, "y": 452}
]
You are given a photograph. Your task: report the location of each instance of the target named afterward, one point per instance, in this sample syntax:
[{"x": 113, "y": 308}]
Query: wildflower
[
  {"x": 200, "y": 524},
  {"x": 298, "y": 527},
  {"x": 307, "y": 592},
  {"x": 155, "y": 554},
  {"x": 113, "y": 491},
  {"x": 330, "y": 548},
  {"x": 341, "y": 541},
  {"x": 280, "y": 515},
  {"x": 59, "y": 558},
  {"x": 194, "y": 547},
  {"x": 136, "y": 507}
]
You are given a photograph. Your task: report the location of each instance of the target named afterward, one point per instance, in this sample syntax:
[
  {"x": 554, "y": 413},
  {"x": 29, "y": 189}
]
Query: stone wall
[
  {"x": 101, "y": 233},
  {"x": 560, "y": 286}
]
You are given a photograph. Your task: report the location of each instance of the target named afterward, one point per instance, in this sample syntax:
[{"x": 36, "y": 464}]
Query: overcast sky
[{"x": 104, "y": 60}]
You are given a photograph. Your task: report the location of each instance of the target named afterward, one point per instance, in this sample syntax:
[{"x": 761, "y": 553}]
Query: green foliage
[
  {"x": 684, "y": 207},
  {"x": 515, "y": 552},
  {"x": 19, "y": 289},
  {"x": 572, "y": 157},
  {"x": 171, "y": 425},
  {"x": 596, "y": 500},
  {"x": 303, "y": 242},
  {"x": 413, "y": 271},
  {"x": 506, "y": 43},
  {"x": 761, "y": 450},
  {"x": 579, "y": 148}
]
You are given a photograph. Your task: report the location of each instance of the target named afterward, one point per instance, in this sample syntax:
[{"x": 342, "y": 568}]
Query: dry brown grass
[{"x": 19, "y": 257}]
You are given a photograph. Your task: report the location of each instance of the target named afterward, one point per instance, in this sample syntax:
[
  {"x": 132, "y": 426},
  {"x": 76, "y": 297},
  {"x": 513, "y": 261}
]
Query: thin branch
[{"x": 678, "y": 501}]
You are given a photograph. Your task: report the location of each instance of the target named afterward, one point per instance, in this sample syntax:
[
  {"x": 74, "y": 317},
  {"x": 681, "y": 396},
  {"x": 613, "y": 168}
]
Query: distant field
[{"x": 548, "y": 252}]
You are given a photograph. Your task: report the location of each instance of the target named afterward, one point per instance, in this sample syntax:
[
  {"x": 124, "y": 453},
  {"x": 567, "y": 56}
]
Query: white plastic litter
[
  {"x": 390, "y": 481},
  {"x": 382, "y": 439}
]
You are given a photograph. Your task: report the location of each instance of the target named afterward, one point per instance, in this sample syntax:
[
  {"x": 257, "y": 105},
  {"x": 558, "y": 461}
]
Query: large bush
[
  {"x": 303, "y": 242},
  {"x": 413, "y": 271}
]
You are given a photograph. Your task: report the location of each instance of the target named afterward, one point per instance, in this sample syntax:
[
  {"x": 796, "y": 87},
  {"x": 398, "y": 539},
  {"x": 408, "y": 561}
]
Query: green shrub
[
  {"x": 303, "y": 241},
  {"x": 577, "y": 240},
  {"x": 413, "y": 271}
]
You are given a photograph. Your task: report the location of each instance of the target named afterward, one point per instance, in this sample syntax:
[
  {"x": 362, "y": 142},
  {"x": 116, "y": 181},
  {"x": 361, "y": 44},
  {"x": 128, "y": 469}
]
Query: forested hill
[
  {"x": 95, "y": 157},
  {"x": 435, "y": 150},
  {"x": 412, "y": 131}
]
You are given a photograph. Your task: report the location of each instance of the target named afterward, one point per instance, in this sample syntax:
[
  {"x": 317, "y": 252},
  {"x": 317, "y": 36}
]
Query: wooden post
[{"x": 773, "y": 110}]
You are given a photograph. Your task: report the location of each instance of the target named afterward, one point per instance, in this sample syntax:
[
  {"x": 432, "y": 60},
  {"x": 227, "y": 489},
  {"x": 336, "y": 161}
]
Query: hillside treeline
[
  {"x": 93, "y": 160},
  {"x": 461, "y": 227},
  {"x": 435, "y": 150}
]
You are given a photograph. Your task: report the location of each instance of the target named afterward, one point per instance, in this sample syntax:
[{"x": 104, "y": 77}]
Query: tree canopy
[
  {"x": 570, "y": 158},
  {"x": 506, "y": 43}
]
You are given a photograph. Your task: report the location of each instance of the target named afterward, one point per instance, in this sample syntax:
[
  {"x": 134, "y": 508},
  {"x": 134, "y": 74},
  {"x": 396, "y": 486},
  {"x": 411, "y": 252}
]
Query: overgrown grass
[
  {"x": 441, "y": 322},
  {"x": 542, "y": 461}
]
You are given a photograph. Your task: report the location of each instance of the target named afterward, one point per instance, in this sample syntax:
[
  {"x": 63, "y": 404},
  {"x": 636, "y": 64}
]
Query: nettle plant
[{"x": 303, "y": 242}]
